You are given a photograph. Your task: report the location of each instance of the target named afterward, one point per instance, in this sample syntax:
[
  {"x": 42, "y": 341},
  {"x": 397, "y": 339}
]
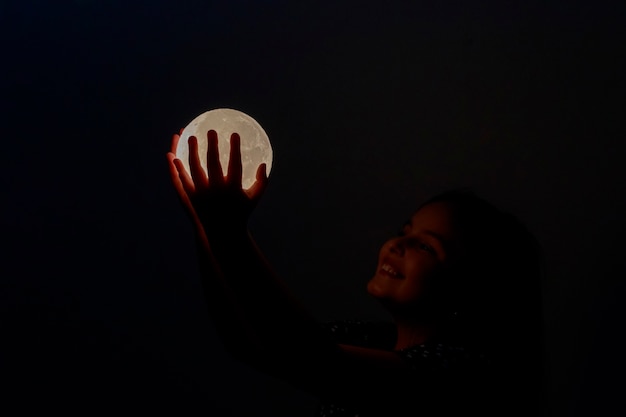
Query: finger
[
  {"x": 261, "y": 172},
  {"x": 183, "y": 194},
  {"x": 186, "y": 181},
  {"x": 175, "y": 139},
  {"x": 180, "y": 132},
  {"x": 214, "y": 165},
  {"x": 197, "y": 172},
  {"x": 234, "y": 163},
  {"x": 256, "y": 191},
  {"x": 180, "y": 179}
]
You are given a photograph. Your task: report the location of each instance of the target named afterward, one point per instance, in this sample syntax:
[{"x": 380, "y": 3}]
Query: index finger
[{"x": 175, "y": 139}]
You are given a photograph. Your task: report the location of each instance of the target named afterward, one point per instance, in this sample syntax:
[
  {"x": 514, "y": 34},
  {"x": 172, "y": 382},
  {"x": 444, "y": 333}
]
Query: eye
[
  {"x": 427, "y": 248},
  {"x": 413, "y": 243}
]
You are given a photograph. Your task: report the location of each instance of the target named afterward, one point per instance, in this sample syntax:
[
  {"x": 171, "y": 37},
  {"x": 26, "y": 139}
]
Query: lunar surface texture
[{"x": 255, "y": 145}]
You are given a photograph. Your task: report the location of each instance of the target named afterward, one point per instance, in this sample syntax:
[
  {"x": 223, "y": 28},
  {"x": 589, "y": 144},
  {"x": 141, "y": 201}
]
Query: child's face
[{"x": 407, "y": 265}]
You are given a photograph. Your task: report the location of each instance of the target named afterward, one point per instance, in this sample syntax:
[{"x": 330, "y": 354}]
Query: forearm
[
  {"x": 242, "y": 291},
  {"x": 278, "y": 320},
  {"x": 228, "y": 317}
]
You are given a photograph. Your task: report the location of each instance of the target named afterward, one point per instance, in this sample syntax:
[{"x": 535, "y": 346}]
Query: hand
[{"x": 215, "y": 202}]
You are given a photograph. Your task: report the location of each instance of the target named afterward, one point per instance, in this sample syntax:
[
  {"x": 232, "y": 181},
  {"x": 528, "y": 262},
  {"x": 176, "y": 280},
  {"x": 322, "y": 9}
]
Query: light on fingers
[{"x": 255, "y": 145}]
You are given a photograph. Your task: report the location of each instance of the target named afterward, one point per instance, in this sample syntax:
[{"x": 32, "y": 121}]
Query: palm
[{"x": 210, "y": 198}]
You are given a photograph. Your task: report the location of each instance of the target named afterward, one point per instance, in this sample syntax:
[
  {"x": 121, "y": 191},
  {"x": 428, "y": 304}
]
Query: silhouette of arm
[
  {"x": 291, "y": 345},
  {"x": 261, "y": 322},
  {"x": 252, "y": 310}
]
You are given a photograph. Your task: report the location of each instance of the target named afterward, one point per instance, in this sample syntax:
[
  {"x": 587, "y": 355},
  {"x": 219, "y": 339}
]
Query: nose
[{"x": 397, "y": 245}]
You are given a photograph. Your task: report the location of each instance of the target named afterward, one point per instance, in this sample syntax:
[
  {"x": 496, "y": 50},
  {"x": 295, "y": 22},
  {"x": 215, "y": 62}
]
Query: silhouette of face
[{"x": 409, "y": 264}]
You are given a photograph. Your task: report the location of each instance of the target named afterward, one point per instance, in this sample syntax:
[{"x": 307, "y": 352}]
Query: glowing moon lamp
[{"x": 255, "y": 145}]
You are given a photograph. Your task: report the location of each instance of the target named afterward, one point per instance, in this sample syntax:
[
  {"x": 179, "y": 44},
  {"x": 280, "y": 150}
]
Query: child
[{"x": 462, "y": 282}]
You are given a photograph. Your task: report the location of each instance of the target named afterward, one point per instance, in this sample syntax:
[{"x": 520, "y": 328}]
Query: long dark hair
[{"x": 493, "y": 297}]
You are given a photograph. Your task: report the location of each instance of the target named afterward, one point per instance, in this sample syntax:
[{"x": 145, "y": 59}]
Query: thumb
[
  {"x": 183, "y": 197},
  {"x": 256, "y": 191}
]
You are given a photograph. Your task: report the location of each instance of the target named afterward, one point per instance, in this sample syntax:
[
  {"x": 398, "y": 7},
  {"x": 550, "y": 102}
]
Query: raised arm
[
  {"x": 260, "y": 320},
  {"x": 251, "y": 308}
]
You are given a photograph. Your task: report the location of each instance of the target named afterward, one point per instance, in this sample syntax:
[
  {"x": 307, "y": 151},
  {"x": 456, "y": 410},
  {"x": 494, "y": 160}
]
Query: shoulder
[
  {"x": 361, "y": 333},
  {"x": 441, "y": 356},
  {"x": 376, "y": 339},
  {"x": 367, "y": 371}
]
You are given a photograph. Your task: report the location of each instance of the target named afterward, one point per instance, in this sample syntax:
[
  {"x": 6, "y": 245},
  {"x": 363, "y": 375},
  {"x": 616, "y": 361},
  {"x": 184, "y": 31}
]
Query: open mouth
[{"x": 388, "y": 270}]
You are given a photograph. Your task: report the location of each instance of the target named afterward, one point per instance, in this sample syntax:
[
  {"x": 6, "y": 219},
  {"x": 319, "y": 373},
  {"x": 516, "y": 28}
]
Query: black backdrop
[{"x": 370, "y": 106}]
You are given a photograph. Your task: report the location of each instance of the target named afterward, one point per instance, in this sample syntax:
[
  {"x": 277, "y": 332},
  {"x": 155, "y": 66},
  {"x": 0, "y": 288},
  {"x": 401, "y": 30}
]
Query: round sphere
[{"x": 255, "y": 145}]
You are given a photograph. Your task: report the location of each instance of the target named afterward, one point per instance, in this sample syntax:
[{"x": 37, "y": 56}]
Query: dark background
[{"x": 371, "y": 107}]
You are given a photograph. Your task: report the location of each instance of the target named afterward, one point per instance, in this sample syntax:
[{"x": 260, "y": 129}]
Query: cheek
[
  {"x": 417, "y": 282},
  {"x": 410, "y": 291}
]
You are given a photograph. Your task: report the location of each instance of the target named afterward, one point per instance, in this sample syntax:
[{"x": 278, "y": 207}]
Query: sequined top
[{"x": 432, "y": 357}]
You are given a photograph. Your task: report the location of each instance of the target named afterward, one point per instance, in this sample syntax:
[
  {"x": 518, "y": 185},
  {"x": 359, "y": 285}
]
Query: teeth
[{"x": 388, "y": 268}]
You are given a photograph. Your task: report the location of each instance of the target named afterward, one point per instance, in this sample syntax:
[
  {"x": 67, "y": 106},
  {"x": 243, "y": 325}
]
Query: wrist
[{"x": 224, "y": 230}]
